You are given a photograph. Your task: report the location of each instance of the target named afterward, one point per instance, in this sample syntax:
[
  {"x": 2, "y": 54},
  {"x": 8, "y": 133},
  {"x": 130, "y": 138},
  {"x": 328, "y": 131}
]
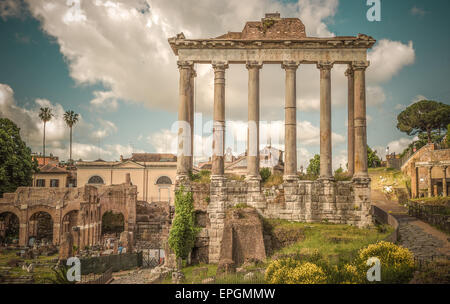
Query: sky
[{"x": 110, "y": 61}]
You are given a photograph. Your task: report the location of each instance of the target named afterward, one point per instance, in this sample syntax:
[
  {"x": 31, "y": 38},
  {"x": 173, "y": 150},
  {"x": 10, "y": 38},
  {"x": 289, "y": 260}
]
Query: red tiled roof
[{"x": 52, "y": 169}]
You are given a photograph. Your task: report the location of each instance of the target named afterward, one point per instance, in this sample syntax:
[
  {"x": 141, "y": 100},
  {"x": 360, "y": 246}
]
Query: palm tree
[
  {"x": 45, "y": 115},
  {"x": 71, "y": 118}
]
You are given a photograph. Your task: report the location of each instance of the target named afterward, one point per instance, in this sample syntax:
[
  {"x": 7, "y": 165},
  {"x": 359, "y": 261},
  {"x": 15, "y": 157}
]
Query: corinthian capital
[
  {"x": 185, "y": 65},
  {"x": 220, "y": 65},
  {"x": 289, "y": 65},
  {"x": 349, "y": 72},
  {"x": 360, "y": 65},
  {"x": 325, "y": 65},
  {"x": 253, "y": 65}
]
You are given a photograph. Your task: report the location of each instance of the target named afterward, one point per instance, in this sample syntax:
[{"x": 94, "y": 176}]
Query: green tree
[
  {"x": 265, "y": 174},
  {"x": 447, "y": 139},
  {"x": 314, "y": 166},
  {"x": 16, "y": 164},
  {"x": 423, "y": 116},
  {"x": 373, "y": 160},
  {"x": 183, "y": 232},
  {"x": 45, "y": 114},
  {"x": 71, "y": 118},
  {"x": 422, "y": 141}
]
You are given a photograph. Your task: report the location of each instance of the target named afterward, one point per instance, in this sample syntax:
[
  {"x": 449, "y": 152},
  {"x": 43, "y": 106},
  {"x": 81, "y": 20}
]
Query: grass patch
[
  {"x": 438, "y": 201},
  {"x": 337, "y": 243}
]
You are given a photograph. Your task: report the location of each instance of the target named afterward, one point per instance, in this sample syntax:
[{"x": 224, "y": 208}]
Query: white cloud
[
  {"x": 387, "y": 58},
  {"x": 375, "y": 96},
  {"x": 105, "y": 101}
]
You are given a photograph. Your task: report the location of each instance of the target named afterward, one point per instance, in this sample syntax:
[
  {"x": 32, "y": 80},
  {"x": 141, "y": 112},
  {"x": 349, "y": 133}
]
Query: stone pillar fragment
[
  {"x": 430, "y": 182},
  {"x": 325, "y": 120},
  {"x": 290, "y": 133},
  {"x": 184, "y": 132},
  {"x": 351, "y": 121},
  {"x": 444, "y": 182},
  {"x": 253, "y": 120},
  {"x": 219, "y": 119},
  {"x": 361, "y": 166}
]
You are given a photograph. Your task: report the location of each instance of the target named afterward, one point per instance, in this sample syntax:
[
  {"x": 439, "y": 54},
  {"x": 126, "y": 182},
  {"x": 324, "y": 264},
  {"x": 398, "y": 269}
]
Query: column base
[
  {"x": 326, "y": 179},
  {"x": 361, "y": 179},
  {"x": 218, "y": 177},
  {"x": 253, "y": 178},
  {"x": 290, "y": 178}
]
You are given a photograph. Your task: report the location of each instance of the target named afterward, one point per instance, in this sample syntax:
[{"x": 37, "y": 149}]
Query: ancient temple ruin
[{"x": 283, "y": 41}]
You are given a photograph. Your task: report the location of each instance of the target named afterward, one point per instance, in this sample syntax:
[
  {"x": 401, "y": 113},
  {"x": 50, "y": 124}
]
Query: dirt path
[{"x": 419, "y": 237}]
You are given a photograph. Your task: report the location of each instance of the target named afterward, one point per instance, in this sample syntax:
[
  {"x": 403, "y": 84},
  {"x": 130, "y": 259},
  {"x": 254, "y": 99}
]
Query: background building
[{"x": 153, "y": 174}]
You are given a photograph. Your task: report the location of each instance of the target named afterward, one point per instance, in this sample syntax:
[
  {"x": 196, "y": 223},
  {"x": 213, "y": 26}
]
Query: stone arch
[
  {"x": 9, "y": 227},
  {"x": 113, "y": 222},
  {"x": 96, "y": 180},
  {"x": 41, "y": 226}
]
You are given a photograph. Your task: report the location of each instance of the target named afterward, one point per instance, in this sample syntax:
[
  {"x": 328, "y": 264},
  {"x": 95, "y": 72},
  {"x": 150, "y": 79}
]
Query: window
[
  {"x": 40, "y": 183},
  {"x": 96, "y": 180},
  {"x": 54, "y": 183},
  {"x": 164, "y": 180}
]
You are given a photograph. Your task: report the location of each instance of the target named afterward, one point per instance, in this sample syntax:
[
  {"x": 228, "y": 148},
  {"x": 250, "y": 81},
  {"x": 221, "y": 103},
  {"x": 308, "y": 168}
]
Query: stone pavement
[
  {"x": 419, "y": 237},
  {"x": 139, "y": 276}
]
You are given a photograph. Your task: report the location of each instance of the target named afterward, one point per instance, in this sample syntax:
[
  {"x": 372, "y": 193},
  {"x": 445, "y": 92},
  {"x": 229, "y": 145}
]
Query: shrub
[
  {"x": 397, "y": 263},
  {"x": 265, "y": 174},
  {"x": 290, "y": 271}
]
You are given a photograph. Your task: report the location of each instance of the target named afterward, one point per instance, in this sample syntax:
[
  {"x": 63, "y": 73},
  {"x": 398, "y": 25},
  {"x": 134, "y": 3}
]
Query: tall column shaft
[
  {"x": 430, "y": 182},
  {"x": 290, "y": 111},
  {"x": 253, "y": 120},
  {"x": 444, "y": 182},
  {"x": 184, "y": 132},
  {"x": 351, "y": 121},
  {"x": 219, "y": 119},
  {"x": 191, "y": 115},
  {"x": 325, "y": 120},
  {"x": 361, "y": 165}
]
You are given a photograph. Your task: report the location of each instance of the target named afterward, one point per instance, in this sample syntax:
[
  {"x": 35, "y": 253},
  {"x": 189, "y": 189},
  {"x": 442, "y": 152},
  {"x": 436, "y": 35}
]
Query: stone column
[
  {"x": 191, "y": 115},
  {"x": 325, "y": 120},
  {"x": 430, "y": 184},
  {"x": 219, "y": 119},
  {"x": 361, "y": 166},
  {"x": 184, "y": 132},
  {"x": 253, "y": 120},
  {"x": 290, "y": 131},
  {"x": 351, "y": 121},
  {"x": 444, "y": 182}
]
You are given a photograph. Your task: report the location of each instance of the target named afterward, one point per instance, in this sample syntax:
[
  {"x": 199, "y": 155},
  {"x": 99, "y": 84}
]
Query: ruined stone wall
[{"x": 305, "y": 201}]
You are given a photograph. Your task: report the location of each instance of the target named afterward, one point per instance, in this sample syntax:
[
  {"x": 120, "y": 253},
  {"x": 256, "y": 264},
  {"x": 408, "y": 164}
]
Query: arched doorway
[
  {"x": 113, "y": 223},
  {"x": 41, "y": 227},
  {"x": 164, "y": 184},
  {"x": 9, "y": 228}
]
